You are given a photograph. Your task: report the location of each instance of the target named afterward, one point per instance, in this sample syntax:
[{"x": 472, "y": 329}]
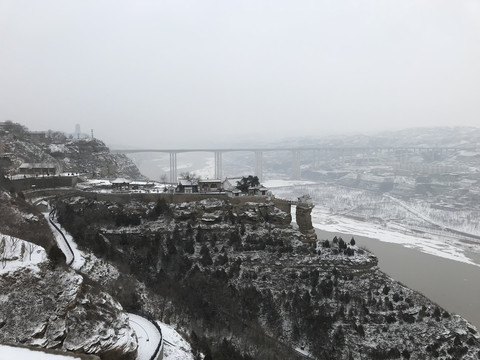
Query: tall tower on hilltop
[{"x": 77, "y": 133}]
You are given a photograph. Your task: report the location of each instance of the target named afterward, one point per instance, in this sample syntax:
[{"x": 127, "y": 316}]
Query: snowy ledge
[
  {"x": 19, "y": 353},
  {"x": 19, "y": 254}
]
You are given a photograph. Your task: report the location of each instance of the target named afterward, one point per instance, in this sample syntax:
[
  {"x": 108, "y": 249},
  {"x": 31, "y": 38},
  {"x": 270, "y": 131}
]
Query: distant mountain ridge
[{"x": 467, "y": 137}]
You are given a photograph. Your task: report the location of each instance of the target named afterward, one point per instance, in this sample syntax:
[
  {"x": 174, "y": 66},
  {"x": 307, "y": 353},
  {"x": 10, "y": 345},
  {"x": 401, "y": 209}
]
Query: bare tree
[
  {"x": 189, "y": 176},
  {"x": 163, "y": 178},
  {"x": 3, "y": 249},
  {"x": 14, "y": 242},
  {"x": 22, "y": 251},
  {"x": 30, "y": 249}
]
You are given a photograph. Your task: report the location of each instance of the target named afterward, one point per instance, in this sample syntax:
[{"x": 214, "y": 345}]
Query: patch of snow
[
  {"x": 176, "y": 347},
  {"x": 303, "y": 352},
  {"x": 467, "y": 153},
  {"x": 282, "y": 183},
  {"x": 10, "y": 352},
  {"x": 30, "y": 217},
  {"x": 12, "y": 259},
  {"x": 57, "y": 148}
]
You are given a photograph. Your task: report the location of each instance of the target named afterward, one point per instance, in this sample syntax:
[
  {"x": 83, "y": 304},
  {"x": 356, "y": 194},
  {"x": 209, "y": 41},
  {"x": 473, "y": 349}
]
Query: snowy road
[
  {"x": 149, "y": 337},
  {"x": 65, "y": 242}
]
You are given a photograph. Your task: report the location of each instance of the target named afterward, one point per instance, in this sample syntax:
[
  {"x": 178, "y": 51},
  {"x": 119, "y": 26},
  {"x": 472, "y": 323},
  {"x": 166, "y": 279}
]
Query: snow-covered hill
[{"x": 88, "y": 156}]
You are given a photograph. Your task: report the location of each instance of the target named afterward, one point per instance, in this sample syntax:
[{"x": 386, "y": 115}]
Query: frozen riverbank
[{"x": 433, "y": 245}]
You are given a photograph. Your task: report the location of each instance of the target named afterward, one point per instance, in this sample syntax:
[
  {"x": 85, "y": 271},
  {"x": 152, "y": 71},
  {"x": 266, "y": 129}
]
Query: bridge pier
[
  {"x": 173, "y": 167},
  {"x": 318, "y": 155},
  {"x": 296, "y": 172},
  {"x": 218, "y": 165},
  {"x": 259, "y": 164}
]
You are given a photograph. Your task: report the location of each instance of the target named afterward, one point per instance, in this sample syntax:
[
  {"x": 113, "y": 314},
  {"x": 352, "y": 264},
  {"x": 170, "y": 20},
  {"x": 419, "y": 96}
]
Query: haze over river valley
[{"x": 418, "y": 213}]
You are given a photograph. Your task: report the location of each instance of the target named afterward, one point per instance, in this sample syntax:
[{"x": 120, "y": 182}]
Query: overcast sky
[{"x": 176, "y": 73}]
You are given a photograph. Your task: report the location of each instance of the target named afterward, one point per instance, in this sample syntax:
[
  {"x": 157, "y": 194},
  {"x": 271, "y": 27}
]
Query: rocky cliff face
[
  {"x": 89, "y": 156},
  {"x": 245, "y": 287},
  {"x": 58, "y": 309},
  {"x": 303, "y": 216},
  {"x": 92, "y": 156},
  {"x": 45, "y": 304},
  {"x": 19, "y": 219}
]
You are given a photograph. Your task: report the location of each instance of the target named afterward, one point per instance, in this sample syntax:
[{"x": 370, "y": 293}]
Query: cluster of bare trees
[{"x": 9, "y": 247}]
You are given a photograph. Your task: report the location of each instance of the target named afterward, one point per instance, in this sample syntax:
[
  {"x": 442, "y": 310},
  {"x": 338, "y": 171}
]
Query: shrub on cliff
[{"x": 161, "y": 208}]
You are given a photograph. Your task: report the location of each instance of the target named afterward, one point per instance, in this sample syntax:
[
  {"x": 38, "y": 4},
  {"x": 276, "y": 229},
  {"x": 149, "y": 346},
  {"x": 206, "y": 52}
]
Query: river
[{"x": 453, "y": 285}]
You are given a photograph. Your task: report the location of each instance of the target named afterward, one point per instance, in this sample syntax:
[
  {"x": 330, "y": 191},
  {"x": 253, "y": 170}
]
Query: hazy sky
[{"x": 176, "y": 73}]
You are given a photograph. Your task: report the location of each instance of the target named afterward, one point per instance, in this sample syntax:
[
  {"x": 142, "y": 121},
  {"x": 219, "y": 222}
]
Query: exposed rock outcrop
[
  {"x": 210, "y": 211},
  {"x": 93, "y": 157},
  {"x": 304, "y": 218},
  {"x": 252, "y": 212},
  {"x": 225, "y": 270},
  {"x": 57, "y": 309},
  {"x": 88, "y": 156}
]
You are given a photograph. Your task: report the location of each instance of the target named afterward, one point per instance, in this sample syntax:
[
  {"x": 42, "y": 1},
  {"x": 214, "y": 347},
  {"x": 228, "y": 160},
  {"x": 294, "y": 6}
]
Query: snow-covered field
[
  {"x": 383, "y": 207},
  {"x": 446, "y": 248},
  {"x": 282, "y": 183}
]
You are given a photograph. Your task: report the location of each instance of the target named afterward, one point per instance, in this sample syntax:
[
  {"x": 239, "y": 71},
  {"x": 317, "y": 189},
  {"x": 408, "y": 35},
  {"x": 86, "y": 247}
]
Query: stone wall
[
  {"x": 46, "y": 182},
  {"x": 284, "y": 205}
]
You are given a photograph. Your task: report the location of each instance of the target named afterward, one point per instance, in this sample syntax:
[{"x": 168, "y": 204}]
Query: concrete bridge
[{"x": 317, "y": 153}]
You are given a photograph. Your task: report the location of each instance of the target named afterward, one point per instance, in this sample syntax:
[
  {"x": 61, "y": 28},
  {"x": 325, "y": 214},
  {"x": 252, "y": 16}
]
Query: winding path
[
  {"x": 149, "y": 333},
  {"x": 65, "y": 245}
]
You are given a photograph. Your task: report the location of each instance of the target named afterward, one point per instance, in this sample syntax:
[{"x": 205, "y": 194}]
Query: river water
[{"x": 453, "y": 285}]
